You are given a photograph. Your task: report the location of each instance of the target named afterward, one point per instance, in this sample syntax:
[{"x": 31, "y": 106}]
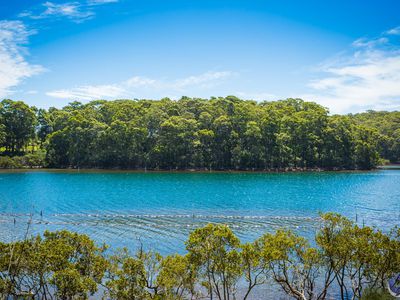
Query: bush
[
  {"x": 33, "y": 160},
  {"x": 7, "y": 162},
  {"x": 30, "y": 160},
  {"x": 376, "y": 294}
]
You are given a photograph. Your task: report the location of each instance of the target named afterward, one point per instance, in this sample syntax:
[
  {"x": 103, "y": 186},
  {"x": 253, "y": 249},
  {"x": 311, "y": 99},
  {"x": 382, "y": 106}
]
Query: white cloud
[
  {"x": 139, "y": 81},
  {"x": 75, "y": 11},
  {"x": 367, "y": 79},
  {"x": 364, "y": 42},
  {"x": 13, "y": 65},
  {"x": 69, "y": 9},
  {"x": 98, "y": 2},
  {"x": 394, "y": 31},
  {"x": 89, "y": 92},
  {"x": 205, "y": 80},
  {"x": 138, "y": 86}
]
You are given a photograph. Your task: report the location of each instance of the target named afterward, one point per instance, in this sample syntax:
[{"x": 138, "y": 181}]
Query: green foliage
[
  {"x": 347, "y": 260},
  {"x": 359, "y": 257},
  {"x": 18, "y": 121},
  {"x": 191, "y": 133},
  {"x": 376, "y": 294},
  {"x": 387, "y": 125},
  {"x": 213, "y": 251},
  {"x": 2, "y": 134},
  {"x": 255, "y": 271},
  {"x": 294, "y": 265},
  {"x": 64, "y": 264},
  {"x": 126, "y": 277},
  {"x": 7, "y": 162},
  {"x": 177, "y": 277},
  {"x": 29, "y": 160}
]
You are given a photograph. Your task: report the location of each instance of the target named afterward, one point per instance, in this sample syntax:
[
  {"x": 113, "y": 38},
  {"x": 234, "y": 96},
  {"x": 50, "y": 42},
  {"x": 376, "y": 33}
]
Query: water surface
[{"x": 160, "y": 209}]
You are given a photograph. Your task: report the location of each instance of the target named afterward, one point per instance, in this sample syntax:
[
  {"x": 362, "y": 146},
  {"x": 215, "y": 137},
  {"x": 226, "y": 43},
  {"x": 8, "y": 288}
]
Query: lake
[{"x": 159, "y": 209}]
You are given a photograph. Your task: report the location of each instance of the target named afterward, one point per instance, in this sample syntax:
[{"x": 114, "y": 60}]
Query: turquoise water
[{"x": 160, "y": 209}]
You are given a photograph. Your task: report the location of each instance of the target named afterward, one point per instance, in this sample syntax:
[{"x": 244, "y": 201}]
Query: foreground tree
[
  {"x": 178, "y": 278},
  {"x": 64, "y": 264},
  {"x": 213, "y": 251},
  {"x": 347, "y": 260},
  {"x": 360, "y": 257},
  {"x": 125, "y": 277},
  {"x": 295, "y": 266}
]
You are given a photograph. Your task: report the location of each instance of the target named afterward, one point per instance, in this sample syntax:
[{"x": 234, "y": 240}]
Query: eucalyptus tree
[
  {"x": 359, "y": 257},
  {"x": 214, "y": 251},
  {"x": 60, "y": 264},
  {"x": 295, "y": 266},
  {"x": 218, "y": 133},
  {"x": 18, "y": 120}
]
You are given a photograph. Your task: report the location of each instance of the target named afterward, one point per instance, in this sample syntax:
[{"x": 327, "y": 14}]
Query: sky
[{"x": 344, "y": 55}]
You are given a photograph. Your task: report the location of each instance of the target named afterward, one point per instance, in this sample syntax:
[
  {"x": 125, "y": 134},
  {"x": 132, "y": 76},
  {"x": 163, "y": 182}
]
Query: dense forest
[
  {"x": 346, "y": 262},
  {"x": 213, "y": 134}
]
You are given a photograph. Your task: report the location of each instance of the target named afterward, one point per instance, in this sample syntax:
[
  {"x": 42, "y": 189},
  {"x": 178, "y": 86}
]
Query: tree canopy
[{"x": 191, "y": 133}]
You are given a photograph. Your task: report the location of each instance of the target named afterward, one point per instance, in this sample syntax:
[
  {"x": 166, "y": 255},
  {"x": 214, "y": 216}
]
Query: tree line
[
  {"x": 213, "y": 134},
  {"x": 346, "y": 262}
]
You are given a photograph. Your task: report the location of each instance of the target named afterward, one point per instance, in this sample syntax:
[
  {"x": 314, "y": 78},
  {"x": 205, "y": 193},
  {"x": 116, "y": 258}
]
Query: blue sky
[{"x": 342, "y": 54}]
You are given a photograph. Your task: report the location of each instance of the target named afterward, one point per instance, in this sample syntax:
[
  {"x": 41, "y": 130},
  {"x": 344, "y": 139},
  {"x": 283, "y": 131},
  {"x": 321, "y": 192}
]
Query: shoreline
[{"x": 191, "y": 171}]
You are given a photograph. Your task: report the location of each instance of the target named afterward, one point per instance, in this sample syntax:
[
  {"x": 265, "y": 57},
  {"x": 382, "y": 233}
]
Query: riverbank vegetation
[
  {"x": 214, "y": 134},
  {"x": 345, "y": 261}
]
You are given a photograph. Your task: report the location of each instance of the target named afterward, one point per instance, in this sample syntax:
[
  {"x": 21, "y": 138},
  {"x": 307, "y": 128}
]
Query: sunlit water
[{"x": 160, "y": 209}]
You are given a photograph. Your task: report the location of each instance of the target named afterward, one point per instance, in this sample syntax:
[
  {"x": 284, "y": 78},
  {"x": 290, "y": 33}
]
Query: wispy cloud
[
  {"x": 75, "y": 11},
  {"x": 98, "y": 2},
  {"x": 393, "y": 31},
  {"x": 14, "y": 39},
  {"x": 70, "y": 9},
  {"x": 89, "y": 92},
  {"x": 205, "y": 80},
  {"x": 138, "y": 86},
  {"x": 13, "y": 64},
  {"x": 364, "y": 42},
  {"x": 369, "y": 78}
]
